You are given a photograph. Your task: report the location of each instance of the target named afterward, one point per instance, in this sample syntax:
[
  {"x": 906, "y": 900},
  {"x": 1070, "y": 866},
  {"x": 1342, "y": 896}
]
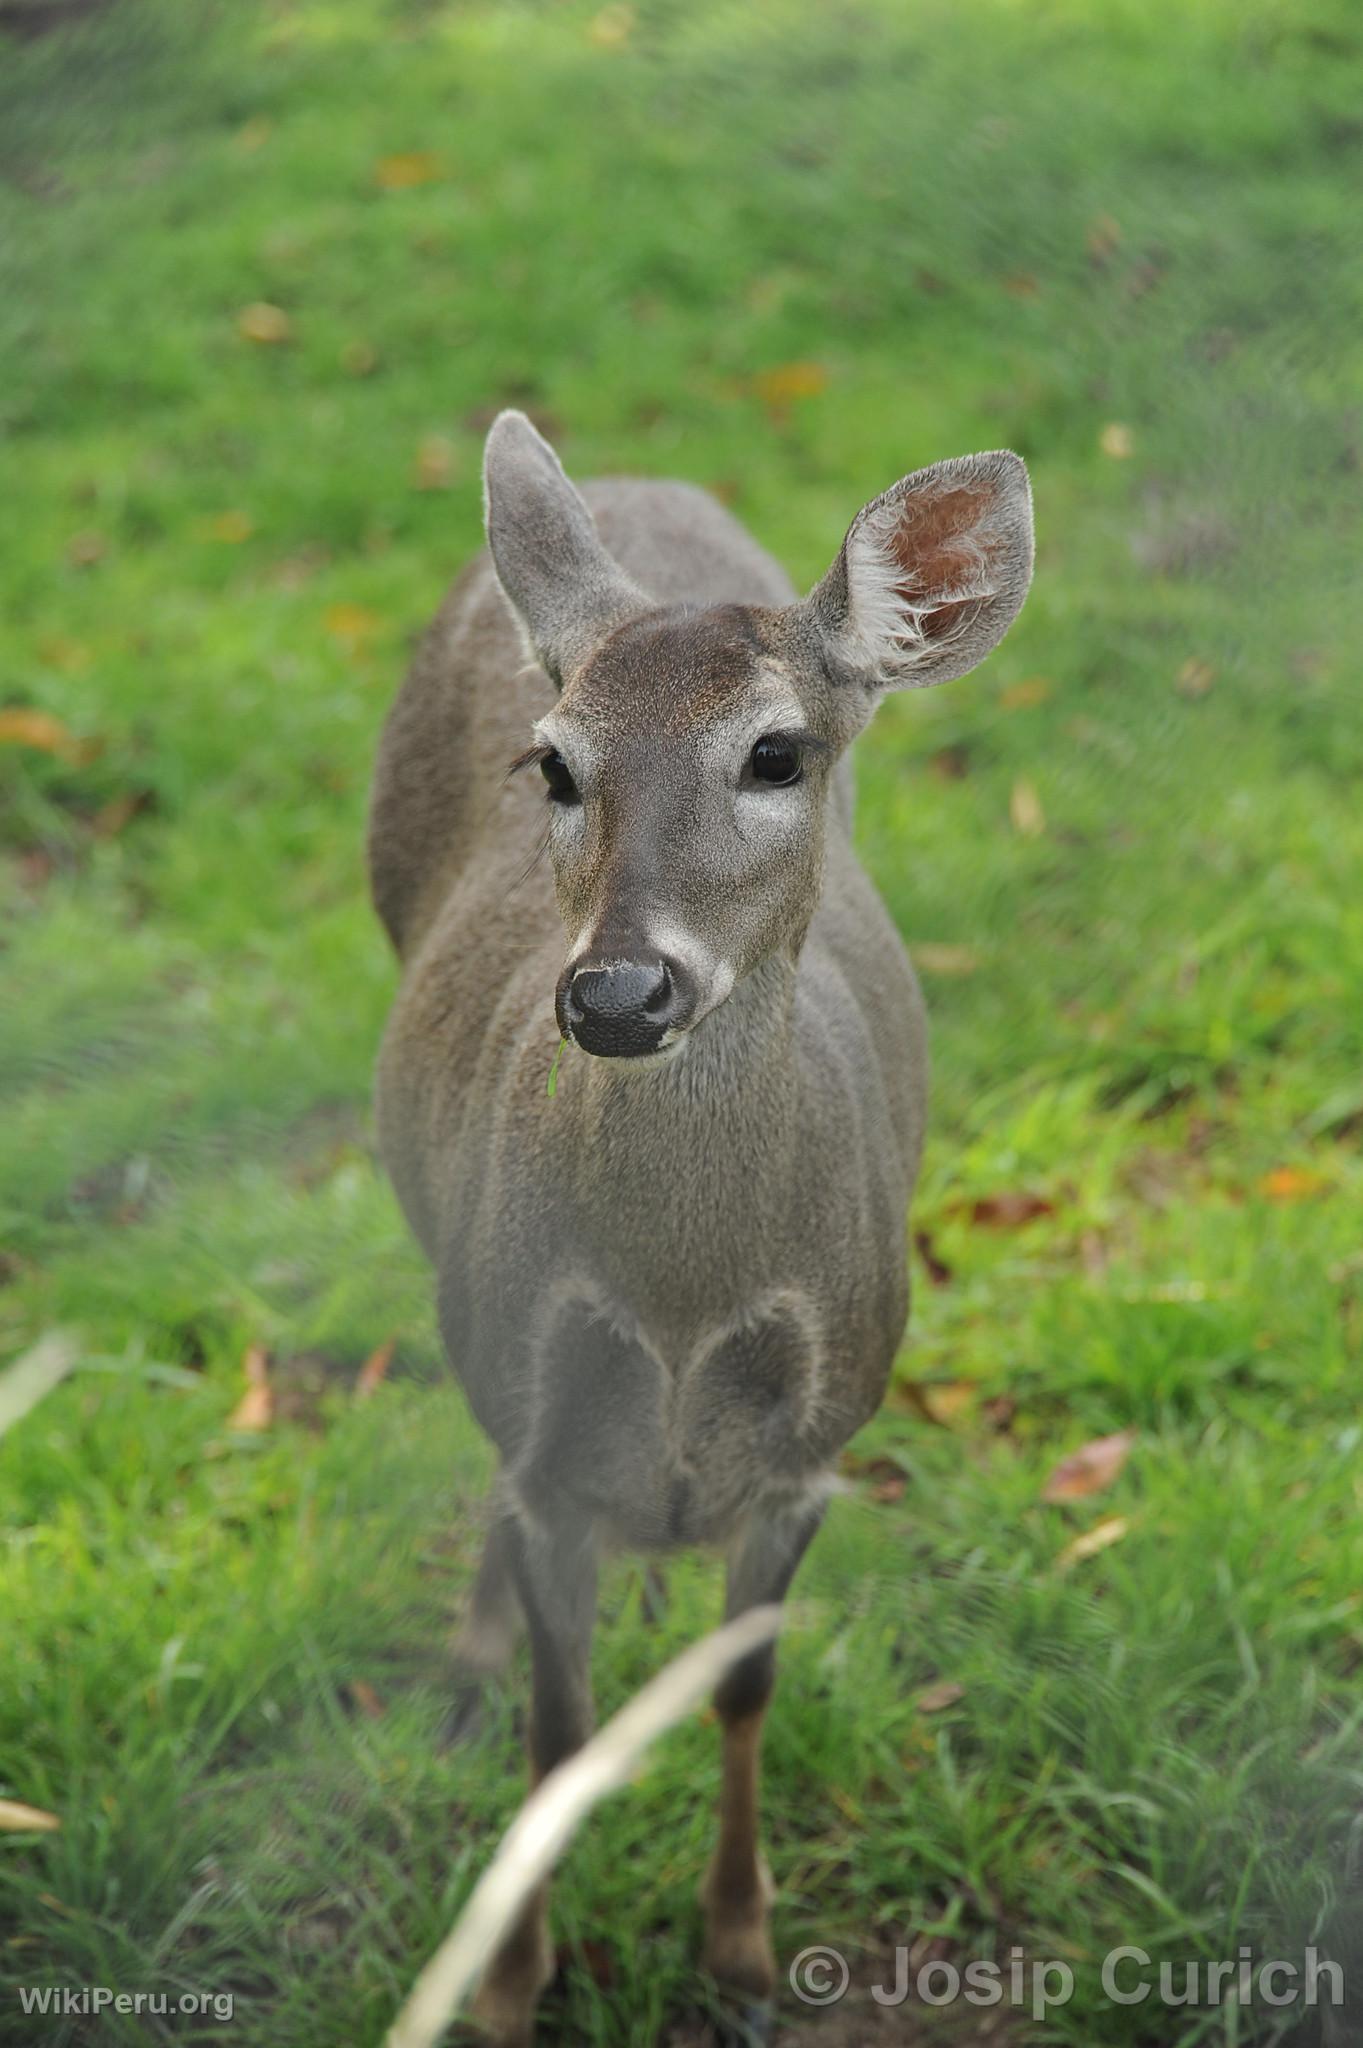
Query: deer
[{"x": 611, "y": 821}]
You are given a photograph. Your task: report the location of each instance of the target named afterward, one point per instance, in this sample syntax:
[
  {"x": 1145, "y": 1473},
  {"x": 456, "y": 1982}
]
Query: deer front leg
[
  {"x": 553, "y": 1559},
  {"x": 737, "y": 1890}
]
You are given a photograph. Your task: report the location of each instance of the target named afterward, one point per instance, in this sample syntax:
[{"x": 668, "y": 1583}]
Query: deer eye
[
  {"x": 562, "y": 788},
  {"x": 776, "y": 761}
]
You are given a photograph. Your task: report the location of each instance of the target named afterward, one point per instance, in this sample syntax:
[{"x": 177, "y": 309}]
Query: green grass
[{"x": 986, "y": 224}]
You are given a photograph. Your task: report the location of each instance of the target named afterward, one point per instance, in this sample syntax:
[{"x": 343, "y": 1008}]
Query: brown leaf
[
  {"x": 1100, "y": 1537},
  {"x": 1091, "y": 1468},
  {"x": 1010, "y": 1209},
  {"x": 264, "y": 324},
  {"x": 359, "y": 359},
  {"x": 949, "y": 1401},
  {"x": 1021, "y": 285},
  {"x": 951, "y": 962},
  {"x": 938, "y": 1271},
  {"x": 885, "y": 1481},
  {"x": 410, "y": 167},
  {"x": 23, "y": 726},
  {"x": 951, "y": 764},
  {"x": 255, "y": 1410},
  {"x": 1292, "y": 1184},
  {"x": 999, "y": 1411},
  {"x": 115, "y": 816},
  {"x": 1024, "y": 808},
  {"x": 1116, "y": 441},
  {"x": 374, "y": 1370},
  {"x": 1195, "y": 678},
  {"x": 934, "y": 1698},
  {"x": 366, "y": 1699},
  {"x": 16, "y": 1818},
  {"x": 1102, "y": 239},
  {"x": 612, "y": 28},
  {"x": 254, "y": 134},
  {"x": 433, "y": 469},
  {"x": 83, "y": 550}
]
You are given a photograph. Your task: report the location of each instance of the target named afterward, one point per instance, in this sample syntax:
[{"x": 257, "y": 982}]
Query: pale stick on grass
[{"x": 552, "y": 1814}]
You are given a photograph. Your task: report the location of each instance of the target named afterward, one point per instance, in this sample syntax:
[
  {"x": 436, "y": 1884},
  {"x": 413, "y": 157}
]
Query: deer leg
[
  {"x": 553, "y": 1560},
  {"x": 737, "y": 1889},
  {"x": 489, "y": 1631}
]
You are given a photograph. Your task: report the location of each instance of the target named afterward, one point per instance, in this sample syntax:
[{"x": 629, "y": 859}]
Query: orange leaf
[
  {"x": 374, "y": 1370},
  {"x": 16, "y": 1818},
  {"x": 365, "y": 1698},
  {"x": 351, "y": 623},
  {"x": 1101, "y": 1536},
  {"x": 934, "y": 1698},
  {"x": 1010, "y": 1209},
  {"x": 408, "y": 168},
  {"x": 255, "y": 1410},
  {"x": 1024, "y": 808},
  {"x": 1292, "y": 1184},
  {"x": 1091, "y": 1468},
  {"x": 22, "y": 727},
  {"x": 264, "y": 324},
  {"x": 778, "y": 388}
]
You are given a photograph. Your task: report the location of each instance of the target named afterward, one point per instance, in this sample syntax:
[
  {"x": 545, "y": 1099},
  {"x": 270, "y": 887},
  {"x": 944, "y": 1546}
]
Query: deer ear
[
  {"x": 566, "y": 591},
  {"x": 931, "y": 575}
]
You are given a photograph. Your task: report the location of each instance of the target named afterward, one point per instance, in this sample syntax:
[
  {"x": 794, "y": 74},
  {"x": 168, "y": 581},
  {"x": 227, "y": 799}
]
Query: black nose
[{"x": 620, "y": 1011}]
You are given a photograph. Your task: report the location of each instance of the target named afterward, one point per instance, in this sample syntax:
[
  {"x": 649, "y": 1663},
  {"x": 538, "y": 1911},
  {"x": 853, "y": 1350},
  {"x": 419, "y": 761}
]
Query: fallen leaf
[
  {"x": 938, "y": 1271},
  {"x": 230, "y": 527},
  {"x": 1292, "y": 1183},
  {"x": 1100, "y": 1537},
  {"x": 1024, "y": 808},
  {"x": 999, "y": 1411},
  {"x": 374, "y": 1370},
  {"x": 115, "y": 816},
  {"x": 365, "y": 1698},
  {"x": 72, "y": 657},
  {"x": 949, "y": 1401},
  {"x": 253, "y": 134},
  {"x": 950, "y": 764},
  {"x": 433, "y": 469},
  {"x": 885, "y": 1481},
  {"x": 612, "y": 27},
  {"x": 934, "y": 1698},
  {"x": 1091, "y": 1468},
  {"x": 350, "y": 623},
  {"x": 16, "y": 1818},
  {"x": 83, "y": 550},
  {"x": 408, "y": 168},
  {"x": 949, "y": 961},
  {"x": 264, "y": 324},
  {"x": 778, "y": 388},
  {"x": 255, "y": 1410},
  {"x": 1023, "y": 696},
  {"x": 359, "y": 359},
  {"x": 1116, "y": 441},
  {"x": 1010, "y": 1209},
  {"x": 1021, "y": 285},
  {"x": 1195, "y": 678},
  {"x": 21, "y": 726}
]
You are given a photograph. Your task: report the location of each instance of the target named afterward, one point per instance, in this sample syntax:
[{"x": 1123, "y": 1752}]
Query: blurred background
[{"x": 267, "y": 271}]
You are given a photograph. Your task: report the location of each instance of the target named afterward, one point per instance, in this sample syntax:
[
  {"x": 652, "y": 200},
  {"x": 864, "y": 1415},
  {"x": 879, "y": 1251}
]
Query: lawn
[{"x": 266, "y": 271}]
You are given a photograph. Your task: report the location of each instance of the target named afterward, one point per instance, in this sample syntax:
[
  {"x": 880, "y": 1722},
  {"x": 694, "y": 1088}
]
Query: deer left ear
[{"x": 931, "y": 575}]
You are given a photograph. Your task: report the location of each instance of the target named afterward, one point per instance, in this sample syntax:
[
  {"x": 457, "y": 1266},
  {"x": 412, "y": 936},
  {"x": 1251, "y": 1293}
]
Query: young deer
[{"x": 673, "y": 1287}]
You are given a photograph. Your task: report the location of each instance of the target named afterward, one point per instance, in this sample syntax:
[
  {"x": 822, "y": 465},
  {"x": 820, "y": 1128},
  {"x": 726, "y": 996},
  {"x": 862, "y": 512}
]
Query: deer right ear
[
  {"x": 566, "y": 591},
  {"x": 931, "y": 575}
]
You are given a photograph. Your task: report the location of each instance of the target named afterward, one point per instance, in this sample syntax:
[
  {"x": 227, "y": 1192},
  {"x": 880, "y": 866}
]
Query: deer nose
[{"x": 620, "y": 1011}]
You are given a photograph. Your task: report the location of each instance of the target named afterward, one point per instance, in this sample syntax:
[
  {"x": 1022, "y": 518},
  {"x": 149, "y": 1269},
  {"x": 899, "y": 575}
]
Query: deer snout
[{"x": 622, "y": 1009}]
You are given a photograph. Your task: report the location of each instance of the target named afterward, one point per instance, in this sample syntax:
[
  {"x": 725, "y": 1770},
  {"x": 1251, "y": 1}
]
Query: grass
[{"x": 788, "y": 253}]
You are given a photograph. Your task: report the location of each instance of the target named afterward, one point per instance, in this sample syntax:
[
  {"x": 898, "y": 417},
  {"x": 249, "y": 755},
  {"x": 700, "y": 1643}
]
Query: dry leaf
[
  {"x": 374, "y": 1370},
  {"x": 934, "y": 1698},
  {"x": 1116, "y": 441},
  {"x": 255, "y": 1410},
  {"x": 946, "y": 960},
  {"x": 16, "y": 1818},
  {"x": 263, "y": 323},
  {"x": 1010, "y": 1209},
  {"x": 612, "y": 27},
  {"x": 1292, "y": 1184},
  {"x": 1021, "y": 285},
  {"x": 359, "y": 359},
  {"x": 948, "y": 1401},
  {"x": 72, "y": 657},
  {"x": 938, "y": 1271},
  {"x": 1022, "y": 696},
  {"x": 230, "y": 527},
  {"x": 1100, "y": 1537},
  {"x": 408, "y": 168},
  {"x": 350, "y": 623},
  {"x": 778, "y": 388},
  {"x": 365, "y": 1698},
  {"x": 21, "y": 726},
  {"x": 1195, "y": 678},
  {"x": 433, "y": 469},
  {"x": 1024, "y": 808},
  {"x": 255, "y": 133},
  {"x": 1091, "y": 1468},
  {"x": 1103, "y": 238}
]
